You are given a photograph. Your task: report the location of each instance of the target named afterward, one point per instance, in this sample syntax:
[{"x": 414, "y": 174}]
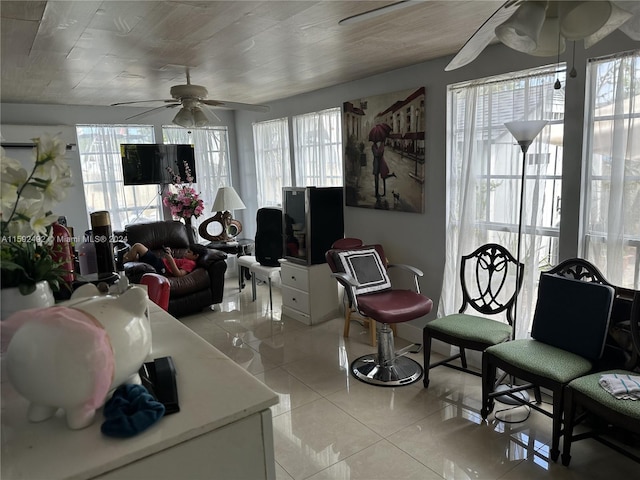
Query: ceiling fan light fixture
[
  {"x": 579, "y": 20},
  {"x": 199, "y": 118},
  {"x": 184, "y": 118},
  {"x": 520, "y": 32},
  {"x": 617, "y": 18},
  {"x": 550, "y": 40}
]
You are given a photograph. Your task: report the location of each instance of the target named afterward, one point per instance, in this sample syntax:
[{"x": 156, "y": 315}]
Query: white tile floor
[{"x": 329, "y": 425}]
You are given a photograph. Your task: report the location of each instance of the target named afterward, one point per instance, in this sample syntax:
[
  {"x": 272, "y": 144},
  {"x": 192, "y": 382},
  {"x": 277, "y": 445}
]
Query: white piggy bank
[{"x": 70, "y": 356}]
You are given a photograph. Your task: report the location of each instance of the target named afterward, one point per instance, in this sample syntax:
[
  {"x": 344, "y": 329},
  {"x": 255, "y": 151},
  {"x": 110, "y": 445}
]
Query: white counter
[{"x": 223, "y": 429}]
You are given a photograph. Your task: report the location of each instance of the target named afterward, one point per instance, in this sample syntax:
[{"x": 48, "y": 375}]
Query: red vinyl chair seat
[{"x": 394, "y": 306}]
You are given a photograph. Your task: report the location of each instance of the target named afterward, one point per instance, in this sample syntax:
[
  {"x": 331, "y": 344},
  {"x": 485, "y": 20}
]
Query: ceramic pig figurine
[{"x": 70, "y": 356}]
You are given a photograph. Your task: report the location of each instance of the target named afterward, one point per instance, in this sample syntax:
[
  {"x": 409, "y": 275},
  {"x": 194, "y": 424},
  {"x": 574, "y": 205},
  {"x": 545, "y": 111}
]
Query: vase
[
  {"x": 13, "y": 301},
  {"x": 191, "y": 231}
]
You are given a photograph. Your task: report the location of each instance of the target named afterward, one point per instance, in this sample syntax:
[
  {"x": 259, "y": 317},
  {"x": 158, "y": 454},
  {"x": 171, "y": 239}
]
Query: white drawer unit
[{"x": 309, "y": 293}]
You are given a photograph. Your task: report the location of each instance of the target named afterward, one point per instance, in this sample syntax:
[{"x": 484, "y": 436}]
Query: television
[{"x": 145, "y": 163}]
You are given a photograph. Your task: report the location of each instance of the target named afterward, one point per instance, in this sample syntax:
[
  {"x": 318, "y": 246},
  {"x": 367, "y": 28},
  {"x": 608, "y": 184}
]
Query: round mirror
[{"x": 232, "y": 230}]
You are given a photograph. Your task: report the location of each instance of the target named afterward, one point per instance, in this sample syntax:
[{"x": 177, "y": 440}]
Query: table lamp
[{"x": 227, "y": 199}]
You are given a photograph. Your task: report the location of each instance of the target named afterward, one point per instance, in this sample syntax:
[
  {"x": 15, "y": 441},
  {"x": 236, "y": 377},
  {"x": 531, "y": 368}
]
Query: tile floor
[{"x": 329, "y": 425}]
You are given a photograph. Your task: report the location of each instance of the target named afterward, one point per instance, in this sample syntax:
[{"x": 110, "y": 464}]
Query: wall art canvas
[{"x": 384, "y": 139}]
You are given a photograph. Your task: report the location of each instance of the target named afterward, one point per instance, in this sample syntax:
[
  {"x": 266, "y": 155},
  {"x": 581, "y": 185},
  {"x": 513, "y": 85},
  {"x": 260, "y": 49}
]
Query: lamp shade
[
  {"x": 184, "y": 118},
  {"x": 227, "y": 199},
  {"x": 550, "y": 42},
  {"x": 581, "y": 19},
  {"x": 520, "y": 32},
  {"x": 199, "y": 118},
  {"x": 525, "y": 131}
]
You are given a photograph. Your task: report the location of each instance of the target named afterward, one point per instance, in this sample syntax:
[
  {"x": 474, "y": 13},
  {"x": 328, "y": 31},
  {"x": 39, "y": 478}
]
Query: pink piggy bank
[{"x": 72, "y": 355}]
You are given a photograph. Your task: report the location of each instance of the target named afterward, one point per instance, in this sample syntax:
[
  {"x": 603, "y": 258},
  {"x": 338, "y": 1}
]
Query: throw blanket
[{"x": 623, "y": 387}]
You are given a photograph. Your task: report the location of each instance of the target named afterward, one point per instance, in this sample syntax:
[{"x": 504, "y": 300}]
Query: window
[
  {"x": 484, "y": 171},
  {"x": 611, "y": 209},
  {"x": 273, "y": 171},
  {"x": 101, "y": 164},
  {"x": 317, "y": 140},
  {"x": 211, "y": 147}
]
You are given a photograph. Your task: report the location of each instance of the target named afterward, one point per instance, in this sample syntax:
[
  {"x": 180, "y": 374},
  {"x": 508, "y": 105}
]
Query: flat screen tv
[{"x": 145, "y": 163}]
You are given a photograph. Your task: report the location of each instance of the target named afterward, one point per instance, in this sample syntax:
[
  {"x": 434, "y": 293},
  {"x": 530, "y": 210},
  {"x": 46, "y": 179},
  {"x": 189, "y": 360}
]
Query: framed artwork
[{"x": 384, "y": 139}]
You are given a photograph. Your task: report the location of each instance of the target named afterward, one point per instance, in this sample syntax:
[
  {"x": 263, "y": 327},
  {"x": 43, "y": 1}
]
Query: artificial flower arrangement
[
  {"x": 182, "y": 199},
  {"x": 26, "y": 219}
]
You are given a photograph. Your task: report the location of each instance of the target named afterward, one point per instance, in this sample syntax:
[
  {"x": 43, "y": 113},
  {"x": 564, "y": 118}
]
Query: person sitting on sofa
[{"x": 177, "y": 267}]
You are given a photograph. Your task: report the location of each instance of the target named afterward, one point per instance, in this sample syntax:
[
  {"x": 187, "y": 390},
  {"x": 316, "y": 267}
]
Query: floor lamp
[{"x": 524, "y": 132}]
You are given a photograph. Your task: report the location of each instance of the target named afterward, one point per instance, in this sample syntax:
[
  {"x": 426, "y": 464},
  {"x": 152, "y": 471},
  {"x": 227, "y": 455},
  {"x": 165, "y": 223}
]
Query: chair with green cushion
[
  {"x": 489, "y": 286},
  {"x": 585, "y": 395},
  {"x": 568, "y": 333}
]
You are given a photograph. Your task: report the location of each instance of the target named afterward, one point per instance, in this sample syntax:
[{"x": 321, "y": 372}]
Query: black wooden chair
[
  {"x": 585, "y": 395},
  {"x": 568, "y": 333},
  {"x": 490, "y": 281}
]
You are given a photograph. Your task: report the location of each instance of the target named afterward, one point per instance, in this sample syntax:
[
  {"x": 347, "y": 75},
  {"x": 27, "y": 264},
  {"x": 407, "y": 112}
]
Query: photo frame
[{"x": 384, "y": 156}]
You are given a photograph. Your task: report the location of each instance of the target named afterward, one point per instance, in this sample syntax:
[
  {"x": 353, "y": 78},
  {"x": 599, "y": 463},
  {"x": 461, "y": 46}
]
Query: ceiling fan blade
[
  {"x": 235, "y": 105},
  {"x": 149, "y": 112},
  {"x": 360, "y": 17},
  {"x": 482, "y": 36},
  {"x": 173, "y": 100}
]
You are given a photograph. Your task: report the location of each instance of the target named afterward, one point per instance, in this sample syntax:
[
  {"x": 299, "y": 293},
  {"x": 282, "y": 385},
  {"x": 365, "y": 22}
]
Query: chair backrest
[
  {"x": 335, "y": 265},
  {"x": 347, "y": 243},
  {"x": 486, "y": 279},
  {"x": 573, "y": 314},
  {"x": 618, "y": 347},
  {"x": 269, "y": 242},
  {"x": 158, "y": 289},
  {"x": 155, "y": 235}
]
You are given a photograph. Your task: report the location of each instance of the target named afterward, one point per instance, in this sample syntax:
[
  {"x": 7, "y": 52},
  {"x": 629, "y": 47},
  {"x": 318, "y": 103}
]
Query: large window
[
  {"x": 317, "y": 140},
  {"x": 211, "y": 147},
  {"x": 612, "y": 164},
  {"x": 99, "y": 148},
  {"x": 273, "y": 170},
  {"x": 484, "y": 171}
]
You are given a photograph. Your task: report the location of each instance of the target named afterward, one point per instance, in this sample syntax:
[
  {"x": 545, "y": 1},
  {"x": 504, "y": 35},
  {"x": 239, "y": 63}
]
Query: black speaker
[{"x": 269, "y": 242}]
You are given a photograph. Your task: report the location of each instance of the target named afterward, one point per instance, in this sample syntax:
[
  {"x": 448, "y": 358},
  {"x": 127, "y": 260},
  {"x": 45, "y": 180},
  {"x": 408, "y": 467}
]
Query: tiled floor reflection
[{"x": 330, "y": 426}]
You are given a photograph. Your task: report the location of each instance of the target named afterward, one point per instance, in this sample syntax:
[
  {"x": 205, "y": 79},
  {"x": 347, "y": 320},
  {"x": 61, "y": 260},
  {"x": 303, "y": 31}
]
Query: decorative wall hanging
[{"x": 384, "y": 138}]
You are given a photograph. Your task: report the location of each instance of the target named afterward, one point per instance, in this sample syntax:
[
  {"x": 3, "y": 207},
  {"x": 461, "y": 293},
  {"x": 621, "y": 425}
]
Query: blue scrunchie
[{"x": 129, "y": 411}]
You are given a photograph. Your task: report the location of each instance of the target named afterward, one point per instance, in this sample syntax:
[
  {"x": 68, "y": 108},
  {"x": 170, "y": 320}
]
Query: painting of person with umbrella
[{"x": 377, "y": 136}]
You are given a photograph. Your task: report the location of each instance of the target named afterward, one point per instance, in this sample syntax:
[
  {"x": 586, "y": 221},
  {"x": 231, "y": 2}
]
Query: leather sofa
[{"x": 201, "y": 288}]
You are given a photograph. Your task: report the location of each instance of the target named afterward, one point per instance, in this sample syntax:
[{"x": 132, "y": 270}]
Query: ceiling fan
[
  {"x": 538, "y": 28},
  {"x": 195, "y": 108}
]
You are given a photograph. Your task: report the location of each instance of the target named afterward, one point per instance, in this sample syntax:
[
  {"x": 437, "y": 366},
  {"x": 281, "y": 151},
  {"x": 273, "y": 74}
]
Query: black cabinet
[{"x": 313, "y": 219}]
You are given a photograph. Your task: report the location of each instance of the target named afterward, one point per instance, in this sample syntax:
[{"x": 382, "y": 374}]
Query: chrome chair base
[
  {"x": 387, "y": 368},
  {"x": 400, "y": 371}
]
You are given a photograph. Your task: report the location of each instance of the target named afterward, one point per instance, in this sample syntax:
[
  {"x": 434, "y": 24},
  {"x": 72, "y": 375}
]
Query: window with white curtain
[
  {"x": 484, "y": 171},
  {"x": 317, "y": 146},
  {"x": 273, "y": 170},
  {"x": 211, "y": 147},
  {"x": 611, "y": 210},
  {"x": 101, "y": 164}
]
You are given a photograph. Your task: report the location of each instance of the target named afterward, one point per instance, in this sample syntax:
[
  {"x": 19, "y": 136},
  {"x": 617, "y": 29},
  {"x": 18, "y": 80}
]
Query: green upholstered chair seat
[
  {"x": 471, "y": 328},
  {"x": 542, "y": 359},
  {"x": 589, "y": 386}
]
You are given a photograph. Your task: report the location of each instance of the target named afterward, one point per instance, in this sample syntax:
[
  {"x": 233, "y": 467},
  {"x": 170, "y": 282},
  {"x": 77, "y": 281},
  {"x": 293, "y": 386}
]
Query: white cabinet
[
  {"x": 223, "y": 430},
  {"x": 309, "y": 293}
]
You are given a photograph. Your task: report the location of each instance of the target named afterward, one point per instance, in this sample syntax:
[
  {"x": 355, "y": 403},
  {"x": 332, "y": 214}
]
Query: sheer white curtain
[
  {"x": 211, "y": 148},
  {"x": 101, "y": 164},
  {"x": 317, "y": 141},
  {"x": 484, "y": 166},
  {"x": 612, "y": 162},
  {"x": 273, "y": 163}
]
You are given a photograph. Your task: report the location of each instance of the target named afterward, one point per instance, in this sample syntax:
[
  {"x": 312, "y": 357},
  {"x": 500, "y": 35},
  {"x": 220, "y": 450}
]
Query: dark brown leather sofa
[{"x": 198, "y": 289}]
